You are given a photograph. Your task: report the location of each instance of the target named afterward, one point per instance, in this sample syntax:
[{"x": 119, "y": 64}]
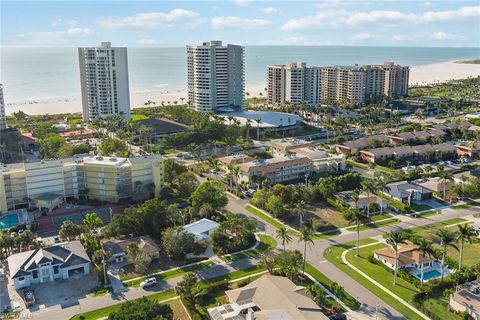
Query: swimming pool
[
  {"x": 432, "y": 274},
  {"x": 8, "y": 221}
]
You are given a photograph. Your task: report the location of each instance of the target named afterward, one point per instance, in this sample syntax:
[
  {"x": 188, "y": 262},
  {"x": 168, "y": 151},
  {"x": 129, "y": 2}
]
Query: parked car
[
  {"x": 247, "y": 193},
  {"x": 338, "y": 316},
  {"x": 56, "y": 239},
  {"x": 148, "y": 282}
]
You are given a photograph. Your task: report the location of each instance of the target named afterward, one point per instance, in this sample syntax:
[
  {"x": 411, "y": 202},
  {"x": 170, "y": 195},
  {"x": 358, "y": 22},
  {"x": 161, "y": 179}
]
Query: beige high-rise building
[
  {"x": 102, "y": 178},
  {"x": 343, "y": 84},
  {"x": 396, "y": 79},
  {"x": 104, "y": 81},
  {"x": 294, "y": 83},
  {"x": 215, "y": 76},
  {"x": 276, "y": 84},
  {"x": 374, "y": 81},
  {"x": 3, "y": 121}
]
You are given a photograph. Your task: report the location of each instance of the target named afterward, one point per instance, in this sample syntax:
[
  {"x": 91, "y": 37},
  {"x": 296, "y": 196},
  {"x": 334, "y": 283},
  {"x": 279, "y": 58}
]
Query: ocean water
[{"x": 48, "y": 73}]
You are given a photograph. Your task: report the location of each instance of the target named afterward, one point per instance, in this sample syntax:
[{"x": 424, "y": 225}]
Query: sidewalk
[{"x": 344, "y": 259}]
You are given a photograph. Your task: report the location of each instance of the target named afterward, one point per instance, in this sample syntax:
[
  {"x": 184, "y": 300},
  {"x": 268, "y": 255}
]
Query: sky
[{"x": 246, "y": 22}]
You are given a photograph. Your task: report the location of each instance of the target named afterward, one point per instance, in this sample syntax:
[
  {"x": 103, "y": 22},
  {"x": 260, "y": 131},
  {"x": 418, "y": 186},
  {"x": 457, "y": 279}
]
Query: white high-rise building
[
  {"x": 216, "y": 77},
  {"x": 387, "y": 79},
  {"x": 104, "y": 81},
  {"x": 294, "y": 83},
  {"x": 3, "y": 122}
]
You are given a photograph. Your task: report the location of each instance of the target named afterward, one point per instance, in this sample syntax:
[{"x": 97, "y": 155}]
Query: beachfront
[{"x": 420, "y": 75}]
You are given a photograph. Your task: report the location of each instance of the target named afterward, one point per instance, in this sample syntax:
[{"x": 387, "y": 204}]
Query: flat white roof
[
  {"x": 270, "y": 119},
  {"x": 201, "y": 226}
]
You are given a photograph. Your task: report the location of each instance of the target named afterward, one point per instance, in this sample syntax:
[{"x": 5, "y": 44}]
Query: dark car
[{"x": 338, "y": 316}]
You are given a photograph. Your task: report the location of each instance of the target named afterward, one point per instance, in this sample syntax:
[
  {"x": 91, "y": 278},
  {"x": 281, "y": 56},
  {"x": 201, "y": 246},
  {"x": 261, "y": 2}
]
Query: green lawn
[
  {"x": 267, "y": 243},
  {"x": 74, "y": 121},
  {"x": 277, "y": 224},
  {"x": 426, "y": 214},
  {"x": 334, "y": 253},
  {"x": 172, "y": 273},
  {"x": 104, "y": 312},
  {"x": 138, "y": 117},
  {"x": 268, "y": 219},
  {"x": 429, "y": 231},
  {"x": 374, "y": 225},
  {"x": 346, "y": 298},
  {"x": 163, "y": 295},
  {"x": 476, "y": 215},
  {"x": 420, "y": 207},
  {"x": 464, "y": 206}
]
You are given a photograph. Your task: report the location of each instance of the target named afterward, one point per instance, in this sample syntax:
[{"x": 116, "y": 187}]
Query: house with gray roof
[
  {"x": 407, "y": 191},
  {"x": 63, "y": 261}
]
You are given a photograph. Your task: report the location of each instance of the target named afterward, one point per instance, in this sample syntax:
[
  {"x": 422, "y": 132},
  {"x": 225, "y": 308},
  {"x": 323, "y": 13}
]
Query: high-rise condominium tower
[
  {"x": 343, "y": 84},
  {"x": 293, "y": 83},
  {"x": 104, "y": 81},
  {"x": 215, "y": 76},
  {"x": 3, "y": 122}
]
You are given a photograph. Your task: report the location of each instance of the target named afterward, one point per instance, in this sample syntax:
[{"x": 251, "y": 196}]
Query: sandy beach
[{"x": 420, "y": 75}]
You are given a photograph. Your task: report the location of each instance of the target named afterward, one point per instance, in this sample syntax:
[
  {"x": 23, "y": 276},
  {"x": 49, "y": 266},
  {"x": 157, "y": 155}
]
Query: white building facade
[
  {"x": 3, "y": 122},
  {"x": 215, "y": 76},
  {"x": 104, "y": 81}
]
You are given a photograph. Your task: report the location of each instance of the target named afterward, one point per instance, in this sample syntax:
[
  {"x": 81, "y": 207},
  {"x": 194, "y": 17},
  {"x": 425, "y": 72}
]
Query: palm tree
[
  {"x": 381, "y": 187},
  {"x": 358, "y": 217},
  {"x": 282, "y": 234},
  {"x": 425, "y": 248},
  {"x": 258, "y": 121},
  {"x": 444, "y": 177},
  {"x": 446, "y": 239},
  {"x": 395, "y": 238},
  {"x": 299, "y": 206},
  {"x": 465, "y": 233},
  {"x": 306, "y": 236},
  {"x": 369, "y": 187}
]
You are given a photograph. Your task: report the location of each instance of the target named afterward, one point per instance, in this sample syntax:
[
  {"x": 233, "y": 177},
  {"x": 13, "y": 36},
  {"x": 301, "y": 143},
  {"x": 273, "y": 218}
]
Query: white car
[{"x": 148, "y": 282}]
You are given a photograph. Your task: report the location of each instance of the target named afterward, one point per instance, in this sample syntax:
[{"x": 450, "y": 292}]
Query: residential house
[
  {"x": 234, "y": 159},
  {"x": 63, "y": 261},
  {"x": 407, "y": 191},
  {"x": 409, "y": 257},
  {"x": 85, "y": 133},
  {"x": 363, "y": 201},
  {"x": 202, "y": 229},
  {"x": 401, "y": 138},
  {"x": 467, "y": 299},
  {"x": 436, "y": 184},
  {"x": 269, "y": 297},
  {"x": 117, "y": 249},
  {"x": 424, "y": 152}
]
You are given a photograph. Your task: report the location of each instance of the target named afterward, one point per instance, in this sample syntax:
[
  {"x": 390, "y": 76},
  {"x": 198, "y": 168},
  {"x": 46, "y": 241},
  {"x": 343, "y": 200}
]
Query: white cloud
[
  {"x": 362, "y": 36},
  {"x": 64, "y": 22},
  {"x": 438, "y": 36},
  {"x": 55, "y": 36},
  {"x": 149, "y": 19},
  {"x": 147, "y": 42},
  {"x": 242, "y": 3},
  {"x": 238, "y": 22},
  {"x": 270, "y": 10},
  {"x": 348, "y": 19},
  {"x": 446, "y": 36},
  {"x": 427, "y": 4}
]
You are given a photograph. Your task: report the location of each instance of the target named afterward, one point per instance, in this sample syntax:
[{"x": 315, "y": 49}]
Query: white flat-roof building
[
  {"x": 104, "y": 81},
  {"x": 202, "y": 229},
  {"x": 215, "y": 76}
]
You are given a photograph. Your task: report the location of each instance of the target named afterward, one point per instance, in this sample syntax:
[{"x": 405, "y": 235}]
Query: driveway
[
  {"x": 63, "y": 292},
  {"x": 432, "y": 203}
]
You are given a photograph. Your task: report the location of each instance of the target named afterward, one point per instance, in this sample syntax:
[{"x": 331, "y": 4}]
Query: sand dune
[{"x": 421, "y": 75}]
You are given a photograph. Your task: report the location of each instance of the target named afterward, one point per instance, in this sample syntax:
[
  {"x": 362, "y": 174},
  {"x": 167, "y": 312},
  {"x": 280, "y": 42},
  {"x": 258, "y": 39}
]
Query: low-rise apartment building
[
  {"x": 356, "y": 145},
  {"x": 425, "y": 152},
  {"x": 322, "y": 161},
  {"x": 102, "y": 178},
  {"x": 284, "y": 147},
  {"x": 278, "y": 169}
]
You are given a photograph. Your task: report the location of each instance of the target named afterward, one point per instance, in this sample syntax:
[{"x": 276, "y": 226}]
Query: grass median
[{"x": 375, "y": 224}]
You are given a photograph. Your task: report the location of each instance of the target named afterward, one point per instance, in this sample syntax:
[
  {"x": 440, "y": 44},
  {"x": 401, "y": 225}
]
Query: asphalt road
[{"x": 315, "y": 253}]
